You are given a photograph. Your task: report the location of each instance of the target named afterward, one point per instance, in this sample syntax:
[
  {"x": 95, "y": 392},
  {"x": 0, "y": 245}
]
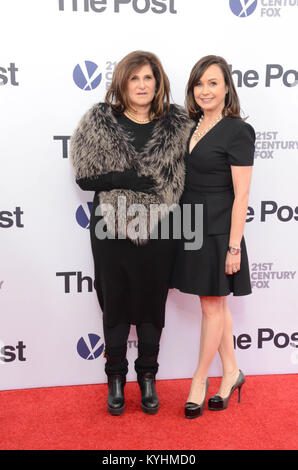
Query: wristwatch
[{"x": 234, "y": 250}]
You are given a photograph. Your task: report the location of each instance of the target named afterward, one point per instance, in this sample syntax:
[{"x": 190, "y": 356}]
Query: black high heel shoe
[
  {"x": 194, "y": 410},
  {"x": 115, "y": 401},
  {"x": 217, "y": 403}
]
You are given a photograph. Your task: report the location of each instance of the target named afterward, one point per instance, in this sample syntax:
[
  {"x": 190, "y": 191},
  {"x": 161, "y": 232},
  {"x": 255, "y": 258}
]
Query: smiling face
[
  {"x": 141, "y": 87},
  {"x": 210, "y": 91}
]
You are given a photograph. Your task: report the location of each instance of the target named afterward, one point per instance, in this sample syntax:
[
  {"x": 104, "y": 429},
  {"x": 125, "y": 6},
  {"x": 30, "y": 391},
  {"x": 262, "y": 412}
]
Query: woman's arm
[
  {"x": 100, "y": 183},
  {"x": 240, "y": 152},
  {"x": 241, "y": 176},
  {"x": 128, "y": 179}
]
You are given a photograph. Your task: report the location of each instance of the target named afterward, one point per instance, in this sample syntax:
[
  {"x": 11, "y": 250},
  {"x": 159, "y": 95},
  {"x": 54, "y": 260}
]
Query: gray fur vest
[{"x": 100, "y": 145}]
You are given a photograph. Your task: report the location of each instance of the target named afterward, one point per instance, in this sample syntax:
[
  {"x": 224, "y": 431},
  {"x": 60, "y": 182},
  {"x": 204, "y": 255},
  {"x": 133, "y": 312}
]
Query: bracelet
[{"x": 234, "y": 250}]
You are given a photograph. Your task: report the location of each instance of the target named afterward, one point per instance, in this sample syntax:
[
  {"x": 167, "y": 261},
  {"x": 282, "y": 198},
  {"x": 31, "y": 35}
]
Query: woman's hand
[
  {"x": 233, "y": 263},
  {"x": 129, "y": 179}
]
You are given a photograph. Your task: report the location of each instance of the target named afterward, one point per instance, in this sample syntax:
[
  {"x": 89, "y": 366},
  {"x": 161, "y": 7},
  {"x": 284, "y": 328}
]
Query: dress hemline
[{"x": 190, "y": 291}]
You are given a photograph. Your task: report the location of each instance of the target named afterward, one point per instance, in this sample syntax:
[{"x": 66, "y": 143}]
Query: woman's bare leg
[
  {"x": 226, "y": 351},
  {"x": 213, "y": 310}
]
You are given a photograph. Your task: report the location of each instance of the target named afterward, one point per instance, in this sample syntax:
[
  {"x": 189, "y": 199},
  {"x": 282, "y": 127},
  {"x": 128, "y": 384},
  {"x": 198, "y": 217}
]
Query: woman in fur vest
[{"x": 129, "y": 151}]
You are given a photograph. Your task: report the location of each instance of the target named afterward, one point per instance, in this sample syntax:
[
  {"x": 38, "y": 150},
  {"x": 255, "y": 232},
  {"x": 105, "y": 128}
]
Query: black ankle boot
[
  {"x": 116, "y": 368},
  {"x": 116, "y": 402},
  {"x": 150, "y": 402}
]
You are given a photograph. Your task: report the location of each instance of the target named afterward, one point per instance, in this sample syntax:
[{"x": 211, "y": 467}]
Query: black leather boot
[
  {"x": 146, "y": 367},
  {"x": 116, "y": 403},
  {"x": 116, "y": 369},
  {"x": 150, "y": 402}
]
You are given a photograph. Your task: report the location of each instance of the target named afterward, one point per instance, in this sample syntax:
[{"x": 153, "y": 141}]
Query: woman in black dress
[
  {"x": 218, "y": 174},
  {"x": 130, "y": 150}
]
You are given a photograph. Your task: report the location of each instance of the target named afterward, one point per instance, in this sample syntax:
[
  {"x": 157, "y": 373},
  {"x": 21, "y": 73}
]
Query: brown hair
[
  {"x": 232, "y": 105},
  {"x": 116, "y": 95}
]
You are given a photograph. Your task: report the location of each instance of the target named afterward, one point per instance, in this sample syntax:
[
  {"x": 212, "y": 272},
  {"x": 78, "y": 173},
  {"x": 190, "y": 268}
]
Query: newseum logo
[{"x": 118, "y": 6}]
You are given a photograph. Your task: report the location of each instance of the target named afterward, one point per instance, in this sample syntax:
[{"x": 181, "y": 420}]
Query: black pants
[{"x": 116, "y": 346}]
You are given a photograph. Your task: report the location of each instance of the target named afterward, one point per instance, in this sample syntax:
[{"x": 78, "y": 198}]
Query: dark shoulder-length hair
[
  {"x": 232, "y": 105},
  {"x": 116, "y": 95}
]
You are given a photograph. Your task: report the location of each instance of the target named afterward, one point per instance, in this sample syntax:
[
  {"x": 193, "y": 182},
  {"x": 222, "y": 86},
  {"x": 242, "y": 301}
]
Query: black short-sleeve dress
[{"x": 209, "y": 182}]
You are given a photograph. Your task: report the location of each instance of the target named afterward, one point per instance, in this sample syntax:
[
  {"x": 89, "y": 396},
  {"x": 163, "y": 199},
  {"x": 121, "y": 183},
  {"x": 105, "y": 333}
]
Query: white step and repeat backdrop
[{"x": 56, "y": 60}]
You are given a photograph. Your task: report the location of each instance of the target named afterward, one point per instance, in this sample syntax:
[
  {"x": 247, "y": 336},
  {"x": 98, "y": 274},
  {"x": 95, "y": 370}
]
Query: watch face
[{"x": 233, "y": 251}]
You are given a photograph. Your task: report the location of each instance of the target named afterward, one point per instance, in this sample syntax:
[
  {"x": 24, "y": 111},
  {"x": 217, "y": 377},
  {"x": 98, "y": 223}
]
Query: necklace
[
  {"x": 197, "y": 134},
  {"x": 141, "y": 121}
]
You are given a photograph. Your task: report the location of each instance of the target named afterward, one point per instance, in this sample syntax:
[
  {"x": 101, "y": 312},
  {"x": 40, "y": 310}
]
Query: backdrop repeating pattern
[{"x": 56, "y": 62}]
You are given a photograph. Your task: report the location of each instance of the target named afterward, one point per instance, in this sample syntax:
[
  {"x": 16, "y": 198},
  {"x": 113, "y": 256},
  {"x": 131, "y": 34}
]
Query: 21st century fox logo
[
  {"x": 267, "y": 8},
  {"x": 243, "y": 8}
]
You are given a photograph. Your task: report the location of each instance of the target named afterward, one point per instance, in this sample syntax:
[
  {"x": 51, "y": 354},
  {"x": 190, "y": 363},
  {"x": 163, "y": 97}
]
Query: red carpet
[{"x": 76, "y": 418}]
